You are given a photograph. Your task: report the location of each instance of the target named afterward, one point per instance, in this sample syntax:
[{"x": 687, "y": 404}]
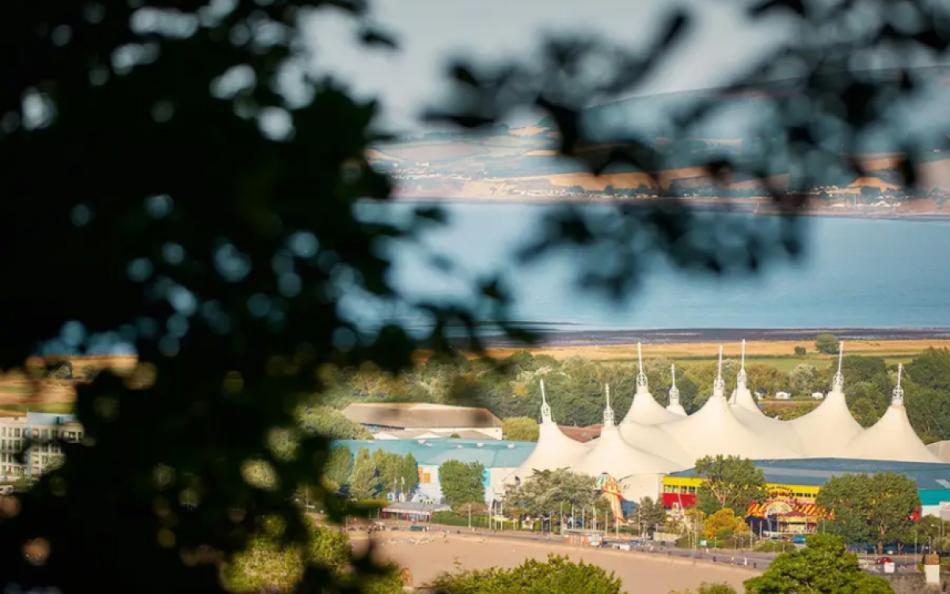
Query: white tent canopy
[
  {"x": 611, "y": 454},
  {"x": 644, "y": 409},
  {"x": 652, "y": 440},
  {"x": 714, "y": 429},
  {"x": 892, "y": 437},
  {"x": 554, "y": 449},
  {"x": 826, "y": 431}
]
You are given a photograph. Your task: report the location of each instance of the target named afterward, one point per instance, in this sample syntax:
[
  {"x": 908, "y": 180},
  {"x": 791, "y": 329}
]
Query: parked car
[{"x": 798, "y": 539}]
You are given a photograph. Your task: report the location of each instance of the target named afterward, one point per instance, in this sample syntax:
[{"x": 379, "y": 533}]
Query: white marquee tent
[
  {"x": 892, "y": 437},
  {"x": 653, "y": 440}
]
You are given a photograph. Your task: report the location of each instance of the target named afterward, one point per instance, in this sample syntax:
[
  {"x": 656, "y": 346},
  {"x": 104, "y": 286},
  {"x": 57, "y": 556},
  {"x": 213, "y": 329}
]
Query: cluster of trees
[
  {"x": 871, "y": 508},
  {"x": 370, "y": 476},
  {"x": 509, "y": 388},
  {"x": 553, "y": 491}
]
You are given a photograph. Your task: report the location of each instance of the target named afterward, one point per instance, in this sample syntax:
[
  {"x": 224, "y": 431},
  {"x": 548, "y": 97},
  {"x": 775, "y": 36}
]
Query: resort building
[
  {"x": 424, "y": 420},
  {"x": 43, "y": 430},
  {"x": 652, "y": 442},
  {"x": 793, "y": 486},
  {"x": 652, "y": 451}
]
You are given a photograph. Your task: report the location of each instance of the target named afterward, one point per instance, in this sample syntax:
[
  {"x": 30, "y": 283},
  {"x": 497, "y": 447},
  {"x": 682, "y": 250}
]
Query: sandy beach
[{"x": 426, "y": 555}]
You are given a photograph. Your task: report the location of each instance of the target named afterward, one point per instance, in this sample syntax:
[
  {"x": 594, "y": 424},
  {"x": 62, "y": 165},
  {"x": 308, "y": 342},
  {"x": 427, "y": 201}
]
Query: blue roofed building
[{"x": 499, "y": 457}]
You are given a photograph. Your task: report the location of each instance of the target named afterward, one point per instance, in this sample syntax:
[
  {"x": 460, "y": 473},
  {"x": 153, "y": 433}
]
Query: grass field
[
  {"x": 50, "y": 407},
  {"x": 778, "y": 353}
]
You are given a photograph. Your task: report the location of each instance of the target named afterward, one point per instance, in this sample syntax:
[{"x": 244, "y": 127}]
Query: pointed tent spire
[
  {"x": 674, "y": 391},
  {"x": 642, "y": 382},
  {"x": 719, "y": 386},
  {"x": 608, "y": 412},
  {"x": 838, "y": 383},
  {"x": 545, "y": 409},
  {"x": 742, "y": 379},
  {"x": 897, "y": 396}
]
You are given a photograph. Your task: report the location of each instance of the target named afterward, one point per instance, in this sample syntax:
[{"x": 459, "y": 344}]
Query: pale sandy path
[{"x": 427, "y": 555}]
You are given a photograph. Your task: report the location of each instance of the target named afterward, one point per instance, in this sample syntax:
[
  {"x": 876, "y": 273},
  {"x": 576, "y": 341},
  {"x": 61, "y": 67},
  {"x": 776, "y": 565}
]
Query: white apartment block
[{"x": 43, "y": 429}]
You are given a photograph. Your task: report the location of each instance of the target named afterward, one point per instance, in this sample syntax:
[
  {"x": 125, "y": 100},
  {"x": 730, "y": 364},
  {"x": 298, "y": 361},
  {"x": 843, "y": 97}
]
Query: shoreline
[
  {"x": 754, "y": 206},
  {"x": 549, "y": 338}
]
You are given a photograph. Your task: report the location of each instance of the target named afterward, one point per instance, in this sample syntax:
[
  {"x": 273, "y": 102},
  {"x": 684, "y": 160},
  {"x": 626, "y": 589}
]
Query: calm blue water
[{"x": 855, "y": 273}]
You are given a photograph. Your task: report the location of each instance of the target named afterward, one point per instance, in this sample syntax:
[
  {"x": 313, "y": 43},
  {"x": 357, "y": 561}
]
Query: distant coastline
[
  {"x": 702, "y": 335},
  {"x": 758, "y": 206}
]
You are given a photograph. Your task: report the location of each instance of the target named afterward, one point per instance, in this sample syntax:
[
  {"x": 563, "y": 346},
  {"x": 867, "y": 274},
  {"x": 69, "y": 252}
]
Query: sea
[{"x": 851, "y": 273}]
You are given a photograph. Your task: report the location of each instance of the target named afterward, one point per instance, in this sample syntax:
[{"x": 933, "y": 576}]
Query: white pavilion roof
[
  {"x": 714, "y": 429},
  {"x": 653, "y": 439},
  {"x": 892, "y": 437},
  {"x": 826, "y": 431},
  {"x": 644, "y": 409},
  {"x": 554, "y": 449}
]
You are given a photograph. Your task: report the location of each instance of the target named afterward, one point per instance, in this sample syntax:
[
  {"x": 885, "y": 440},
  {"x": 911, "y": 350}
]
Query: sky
[{"x": 432, "y": 32}]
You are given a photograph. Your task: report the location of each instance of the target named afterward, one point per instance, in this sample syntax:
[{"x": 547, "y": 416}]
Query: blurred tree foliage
[
  {"x": 556, "y": 575},
  {"x": 267, "y": 566},
  {"x": 331, "y": 423},
  {"x": 178, "y": 179}
]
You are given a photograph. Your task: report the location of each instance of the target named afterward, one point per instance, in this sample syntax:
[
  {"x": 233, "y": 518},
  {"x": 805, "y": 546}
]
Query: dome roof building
[{"x": 892, "y": 437}]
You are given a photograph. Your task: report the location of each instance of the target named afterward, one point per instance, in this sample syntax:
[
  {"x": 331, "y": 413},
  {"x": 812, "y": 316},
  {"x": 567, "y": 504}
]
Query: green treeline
[{"x": 509, "y": 387}]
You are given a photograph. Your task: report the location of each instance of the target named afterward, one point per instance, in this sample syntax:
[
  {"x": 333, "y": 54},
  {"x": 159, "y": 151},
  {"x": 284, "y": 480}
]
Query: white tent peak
[
  {"x": 837, "y": 384},
  {"x": 545, "y": 408},
  {"x": 715, "y": 429},
  {"x": 608, "y": 412},
  {"x": 742, "y": 378},
  {"x": 826, "y": 431},
  {"x": 897, "y": 396},
  {"x": 553, "y": 449},
  {"x": 642, "y": 381},
  {"x": 645, "y": 409},
  {"x": 719, "y": 385},
  {"x": 674, "y": 406},
  {"x": 892, "y": 437},
  {"x": 742, "y": 398}
]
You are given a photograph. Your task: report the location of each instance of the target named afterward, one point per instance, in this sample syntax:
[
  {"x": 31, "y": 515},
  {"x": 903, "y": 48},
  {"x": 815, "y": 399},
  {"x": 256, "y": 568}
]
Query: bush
[
  {"x": 827, "y": 343},
  {"x": 556, "y": 575},
  {"x": 800, "y": 351},
  {"x": 451, "y": 518},
  {"x": 520, "y": 429}
]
